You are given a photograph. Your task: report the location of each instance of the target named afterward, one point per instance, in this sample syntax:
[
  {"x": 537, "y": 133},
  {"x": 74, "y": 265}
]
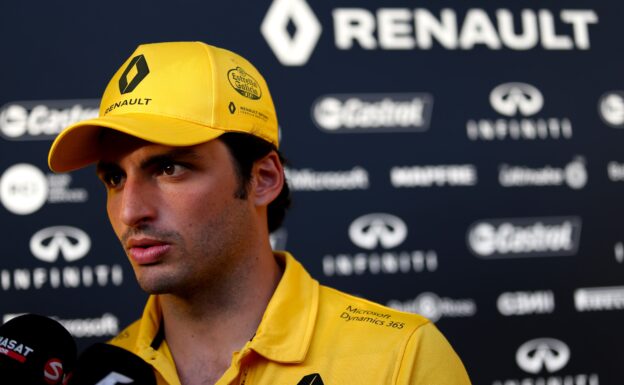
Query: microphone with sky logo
[
  {"x": 35, "y": 350},
  {"x": 104, "y": 364}
]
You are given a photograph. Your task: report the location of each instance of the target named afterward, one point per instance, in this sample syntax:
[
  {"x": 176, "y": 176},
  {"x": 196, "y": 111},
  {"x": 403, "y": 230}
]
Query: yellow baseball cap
[{"x": 176, "y": 94}]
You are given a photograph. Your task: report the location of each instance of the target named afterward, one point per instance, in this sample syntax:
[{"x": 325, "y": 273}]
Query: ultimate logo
[{"x": 244, "y": 83}]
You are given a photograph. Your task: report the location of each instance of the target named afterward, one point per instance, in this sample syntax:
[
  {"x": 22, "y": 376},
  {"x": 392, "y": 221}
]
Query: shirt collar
[{"x": 286, "y": 328}]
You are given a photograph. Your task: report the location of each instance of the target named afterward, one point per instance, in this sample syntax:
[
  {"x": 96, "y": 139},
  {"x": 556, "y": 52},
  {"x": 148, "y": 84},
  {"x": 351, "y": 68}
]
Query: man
[{"x": 186, "y": 145}]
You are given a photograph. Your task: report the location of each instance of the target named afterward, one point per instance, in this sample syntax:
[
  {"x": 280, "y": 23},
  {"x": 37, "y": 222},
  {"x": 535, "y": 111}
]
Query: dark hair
[{"x": 245, "y": 150}]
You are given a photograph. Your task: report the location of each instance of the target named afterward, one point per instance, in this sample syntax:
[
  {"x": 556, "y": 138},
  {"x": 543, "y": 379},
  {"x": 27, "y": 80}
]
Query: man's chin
[{"x": 154, "y": 284}]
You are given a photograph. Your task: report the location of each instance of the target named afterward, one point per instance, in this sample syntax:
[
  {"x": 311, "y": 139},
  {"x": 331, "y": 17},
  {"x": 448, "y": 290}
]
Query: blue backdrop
[{"x": 462, "y": 160}]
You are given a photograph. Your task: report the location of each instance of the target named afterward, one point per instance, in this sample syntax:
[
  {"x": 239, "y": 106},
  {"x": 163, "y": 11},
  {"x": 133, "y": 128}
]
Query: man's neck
[{"x": 204, "y": 329}]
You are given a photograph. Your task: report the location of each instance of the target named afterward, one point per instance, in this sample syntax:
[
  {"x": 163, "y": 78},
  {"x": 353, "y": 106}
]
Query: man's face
[{"x": 175, "y": 213}]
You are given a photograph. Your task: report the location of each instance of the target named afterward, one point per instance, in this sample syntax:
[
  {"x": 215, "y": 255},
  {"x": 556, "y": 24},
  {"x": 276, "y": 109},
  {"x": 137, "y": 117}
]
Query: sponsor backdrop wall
[{"x": 461, "y": 160}]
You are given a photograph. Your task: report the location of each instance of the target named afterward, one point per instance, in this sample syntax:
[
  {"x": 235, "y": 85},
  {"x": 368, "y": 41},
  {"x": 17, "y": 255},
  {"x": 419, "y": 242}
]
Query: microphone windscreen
[
  {"x": 35, "y": 350},
  {"x": 107, "y": 364}
]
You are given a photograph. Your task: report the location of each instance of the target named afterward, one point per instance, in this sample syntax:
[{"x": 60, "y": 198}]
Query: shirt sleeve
[{"x": 429, "y": 359}]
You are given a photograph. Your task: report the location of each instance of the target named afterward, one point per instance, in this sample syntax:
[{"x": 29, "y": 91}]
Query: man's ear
[{"x": 267, "y": 179}]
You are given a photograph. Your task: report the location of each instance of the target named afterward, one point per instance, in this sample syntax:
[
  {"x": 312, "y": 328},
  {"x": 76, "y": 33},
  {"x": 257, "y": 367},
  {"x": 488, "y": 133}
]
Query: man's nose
[{"x": 138, "y": 203}]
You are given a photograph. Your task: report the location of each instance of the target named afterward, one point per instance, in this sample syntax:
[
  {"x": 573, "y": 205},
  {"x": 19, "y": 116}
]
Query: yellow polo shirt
[{"x": 314, "y": 335}]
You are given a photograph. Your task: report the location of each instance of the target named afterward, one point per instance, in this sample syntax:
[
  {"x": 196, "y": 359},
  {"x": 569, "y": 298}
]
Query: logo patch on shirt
[{"x": 311, "y": 379}]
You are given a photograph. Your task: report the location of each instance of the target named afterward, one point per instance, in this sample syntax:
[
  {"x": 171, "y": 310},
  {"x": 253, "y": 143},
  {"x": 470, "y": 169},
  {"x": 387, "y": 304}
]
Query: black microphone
[
  {"x": 104, "y": 364},
  {"x": 35, "y": 350}
]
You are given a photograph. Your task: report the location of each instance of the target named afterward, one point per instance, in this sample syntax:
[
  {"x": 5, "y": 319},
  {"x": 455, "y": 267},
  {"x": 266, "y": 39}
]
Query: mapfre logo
[
  {"x": 134, "y": 73},
  {"x": 50, "y": 243},
  {"x": 542, "y": 354},
  {"x": 372, "y": 230},
  {"x": 511, "y": 99},
  {"x": 599, "y": 298}
]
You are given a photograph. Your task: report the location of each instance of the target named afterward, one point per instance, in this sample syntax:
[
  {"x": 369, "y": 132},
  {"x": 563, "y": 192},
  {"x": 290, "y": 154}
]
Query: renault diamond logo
[
  {"x": 290, "y": 50},
  {"x": 370, "y": 230},
  {"x": 49, "y": 243},
  {"x": 311, "y": 379},
  {"x": 510, "y": 99},
  {"x": 136, "y": 71},
  {"x": 535, "y": 355}
]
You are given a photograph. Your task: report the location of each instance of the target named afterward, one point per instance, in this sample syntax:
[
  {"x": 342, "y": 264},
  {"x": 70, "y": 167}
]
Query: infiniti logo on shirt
[
  {"x": 49, "y": 243},
  {"x": 370, "y": 230}
]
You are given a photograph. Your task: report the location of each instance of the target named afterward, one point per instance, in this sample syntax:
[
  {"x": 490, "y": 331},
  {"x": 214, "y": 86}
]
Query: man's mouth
[{"x": 147, "y": 251}]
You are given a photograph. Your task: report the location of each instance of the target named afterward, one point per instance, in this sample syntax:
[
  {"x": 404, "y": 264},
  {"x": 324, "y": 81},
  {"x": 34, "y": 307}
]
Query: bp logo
[
  {"x": 244, "y": 83},
  {"x": 136, "y": 71}
]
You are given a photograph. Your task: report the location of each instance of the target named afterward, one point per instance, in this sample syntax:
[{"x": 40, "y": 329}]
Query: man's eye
[
  {"x": 171, "y": 169},
  {"x": 113, "y": 179}
]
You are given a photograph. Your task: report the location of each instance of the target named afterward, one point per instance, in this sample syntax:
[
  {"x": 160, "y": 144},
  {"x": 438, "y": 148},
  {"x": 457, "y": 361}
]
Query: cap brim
[{"x": 79, "y": 145}]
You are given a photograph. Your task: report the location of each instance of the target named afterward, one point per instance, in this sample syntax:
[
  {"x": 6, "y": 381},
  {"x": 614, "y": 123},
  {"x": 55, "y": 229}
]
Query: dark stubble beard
[{"x": 220, "y": 285}]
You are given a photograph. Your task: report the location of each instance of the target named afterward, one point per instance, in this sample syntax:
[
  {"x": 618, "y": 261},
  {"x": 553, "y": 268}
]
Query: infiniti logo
[
  {"x": 47, "y": 244},
  {"x": 370, "y": 230},
  {"x": 509, "y": 99},
  {"x": 535, "y": 355}
]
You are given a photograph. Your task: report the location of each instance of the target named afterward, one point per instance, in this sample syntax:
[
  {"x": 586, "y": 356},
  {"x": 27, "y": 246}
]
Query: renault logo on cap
[{"x": 136, "y": 71}]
